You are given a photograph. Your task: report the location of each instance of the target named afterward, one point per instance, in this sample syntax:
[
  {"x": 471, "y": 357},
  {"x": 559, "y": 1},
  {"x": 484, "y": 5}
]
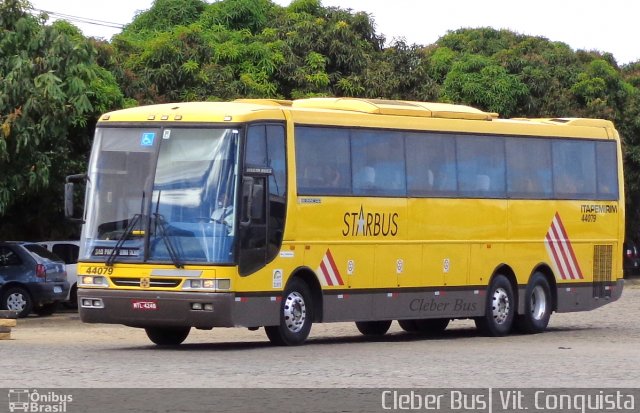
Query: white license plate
[{"x": 57, "y": 289}]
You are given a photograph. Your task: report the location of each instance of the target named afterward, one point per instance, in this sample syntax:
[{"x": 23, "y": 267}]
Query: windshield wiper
[
  {"x": 116, "y": 250},
  {"x": 161, "y": 228}
]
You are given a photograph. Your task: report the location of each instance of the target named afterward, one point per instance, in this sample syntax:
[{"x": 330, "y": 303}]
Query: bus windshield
[{"x": 162, "y": 195}]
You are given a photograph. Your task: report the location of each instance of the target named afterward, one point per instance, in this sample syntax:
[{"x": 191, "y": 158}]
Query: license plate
[
  {"x": 144, "y": 305},
  {"x": 57, "y": 289}
]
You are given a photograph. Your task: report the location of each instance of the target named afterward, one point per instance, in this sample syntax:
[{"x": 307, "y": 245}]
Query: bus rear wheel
[
  {"x": 432, "y": 325},
  {"x": 537, "y": 306},
  {"x": 410, "y": 326},
  {"x": 373, "y": 328},
  {"x": 500, "y": 308},
  {"x": 167, "y": 336},
  {"x": 424, "y": 325},
  {"x": 296, "y": 316}
]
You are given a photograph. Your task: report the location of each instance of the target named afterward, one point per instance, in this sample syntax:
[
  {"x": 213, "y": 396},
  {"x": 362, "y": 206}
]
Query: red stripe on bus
[
  {"x": 325, "y": 272},
  {"x": 554, "y": 254},
  {"x": 334, "y": 267},
  {"x": 563, "y": 256},
  {"x": 566, "y": 238}
]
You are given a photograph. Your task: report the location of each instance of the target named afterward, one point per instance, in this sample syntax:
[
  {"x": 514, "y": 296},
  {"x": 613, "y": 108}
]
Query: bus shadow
[{"x": 395, "y": 337}]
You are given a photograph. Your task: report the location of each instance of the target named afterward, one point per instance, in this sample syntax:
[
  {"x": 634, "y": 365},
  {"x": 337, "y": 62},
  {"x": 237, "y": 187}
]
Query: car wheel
[
  {"x": 46, "y": 309},
  {"x": 167, "y": 336},
  {"x": 73, "y": 298},
  {"x": 17, "y": 299}
]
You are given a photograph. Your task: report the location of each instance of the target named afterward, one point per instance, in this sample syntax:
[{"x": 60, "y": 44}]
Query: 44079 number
[{"x": 99, "y": 271}]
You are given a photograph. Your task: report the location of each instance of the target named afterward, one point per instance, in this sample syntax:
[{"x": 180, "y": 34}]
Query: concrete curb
[{"x": 7, "y": 321}]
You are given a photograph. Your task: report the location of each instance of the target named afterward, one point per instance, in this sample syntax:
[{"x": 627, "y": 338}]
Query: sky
[{"x": 610, "y": 26}]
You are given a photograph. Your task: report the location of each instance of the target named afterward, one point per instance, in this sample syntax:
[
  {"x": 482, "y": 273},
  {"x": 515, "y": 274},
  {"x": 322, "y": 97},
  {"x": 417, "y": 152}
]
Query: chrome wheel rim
[
  {"x": 501, "y": 306},
  {"x": 295, "y": 312},
  {"x": 538, "y": 303},
  {"x": 16, "y": 302}
]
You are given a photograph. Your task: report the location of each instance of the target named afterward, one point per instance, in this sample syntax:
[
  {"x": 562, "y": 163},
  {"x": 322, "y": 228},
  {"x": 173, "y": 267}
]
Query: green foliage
[
  {"x": 50, "y": 93},
  {"x": 165, "y": 14},
  {"x": 481, "y": 81}
]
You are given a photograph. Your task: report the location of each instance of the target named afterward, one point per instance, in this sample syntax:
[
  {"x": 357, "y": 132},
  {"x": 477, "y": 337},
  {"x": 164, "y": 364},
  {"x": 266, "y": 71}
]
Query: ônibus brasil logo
[{"x": 32, "y": 401}]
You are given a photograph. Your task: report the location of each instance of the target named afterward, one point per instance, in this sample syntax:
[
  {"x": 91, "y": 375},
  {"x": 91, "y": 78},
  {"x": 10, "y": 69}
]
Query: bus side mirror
[
  {"x": 68, "y": 200},
  {"x": 68, "y": 196},
  {"x": 253, "y": 199},
  {"x": 247, "y": 200},
  {"x": 257, "y": 202}
]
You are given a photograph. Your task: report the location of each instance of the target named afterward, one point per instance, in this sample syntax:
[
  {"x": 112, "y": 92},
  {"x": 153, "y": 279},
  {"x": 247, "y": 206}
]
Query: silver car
[{"x": 31, "y": 279}]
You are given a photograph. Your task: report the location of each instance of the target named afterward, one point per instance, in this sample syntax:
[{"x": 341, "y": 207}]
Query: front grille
[
  {"x": 153, "y": 282},
  {"x": 602, "y": 269}
]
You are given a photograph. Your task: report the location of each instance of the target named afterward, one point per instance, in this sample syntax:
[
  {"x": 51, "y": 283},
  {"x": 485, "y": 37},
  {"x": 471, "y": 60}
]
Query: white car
[{"x": 68, "y": 251}]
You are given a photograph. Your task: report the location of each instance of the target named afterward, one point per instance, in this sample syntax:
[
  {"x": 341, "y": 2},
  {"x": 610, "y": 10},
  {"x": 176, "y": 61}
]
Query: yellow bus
[{"x": 280, "y": 214}]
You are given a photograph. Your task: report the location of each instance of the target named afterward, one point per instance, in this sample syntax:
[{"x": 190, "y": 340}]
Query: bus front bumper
[{"x": 137, "y": 308}]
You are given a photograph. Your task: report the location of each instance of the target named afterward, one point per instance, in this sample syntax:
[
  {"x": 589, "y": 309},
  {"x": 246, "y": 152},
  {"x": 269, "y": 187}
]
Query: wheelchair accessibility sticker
[{"x": 147, "y": 139}]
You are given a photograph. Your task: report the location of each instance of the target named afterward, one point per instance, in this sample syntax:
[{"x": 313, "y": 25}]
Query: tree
[{"x": 50, "y": 92}]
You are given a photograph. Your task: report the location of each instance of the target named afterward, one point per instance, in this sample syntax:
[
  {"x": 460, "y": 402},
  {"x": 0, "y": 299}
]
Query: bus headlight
[
  {"x": 207, "y": 284},
  {"x": 91, "y": 281}
]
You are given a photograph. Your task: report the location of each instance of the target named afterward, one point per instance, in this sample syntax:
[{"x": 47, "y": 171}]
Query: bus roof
[{"x": 344, "y": 111}]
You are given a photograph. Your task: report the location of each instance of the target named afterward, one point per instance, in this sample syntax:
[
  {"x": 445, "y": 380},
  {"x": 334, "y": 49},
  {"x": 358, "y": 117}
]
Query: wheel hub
[
  {"x": 295, "y": 312},
  {"x": 500, "y": 305},
  {"x": 16, "y": 302},
  {"x": 538, "y": 303}
]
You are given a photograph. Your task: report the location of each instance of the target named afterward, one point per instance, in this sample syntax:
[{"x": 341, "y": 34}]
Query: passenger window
[
  {"x": 529, "y": 168},
  {"x": 323, "y": 165},
  {"x": 574, "y": 169},
  {"x": 431, "y": 165},
  {"x": 68, "y": 252},
  {"x": 8, "y": 258},
  {"x": 481, "y": 166},
  {"x": 607, "y": 171},
  {"x": 378, "y": 163}
]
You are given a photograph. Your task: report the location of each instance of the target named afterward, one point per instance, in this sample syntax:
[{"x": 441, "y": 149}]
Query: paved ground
[{"x": 593, "y": 349}]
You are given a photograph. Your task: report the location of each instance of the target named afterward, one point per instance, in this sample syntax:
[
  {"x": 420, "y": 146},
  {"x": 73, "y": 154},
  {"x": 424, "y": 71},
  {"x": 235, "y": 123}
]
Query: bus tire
[
  {"x": 410, "y": 326},
  {"x": 167, "y": 336},
  {"x": 296, "y": 316},
  {"x": 373, "y": 328},
  {"x": 500, "y": 308},
  {"x": 538, "y": 305},
  {"x": 432, "y": 325}
]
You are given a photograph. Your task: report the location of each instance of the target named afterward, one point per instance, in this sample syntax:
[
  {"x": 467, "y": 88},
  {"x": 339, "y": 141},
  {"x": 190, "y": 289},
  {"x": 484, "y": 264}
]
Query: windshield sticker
[
  {"x": 166, "y": 134},
  {"x": 122, "y": 252},
  {"x": 147, "y": 139}
]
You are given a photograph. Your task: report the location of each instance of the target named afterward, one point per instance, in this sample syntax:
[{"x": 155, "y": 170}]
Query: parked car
[
  {"x": 631, "y": 259},
  {"x": 31, "y": 279},
  {"x": 68, "y": 251}
]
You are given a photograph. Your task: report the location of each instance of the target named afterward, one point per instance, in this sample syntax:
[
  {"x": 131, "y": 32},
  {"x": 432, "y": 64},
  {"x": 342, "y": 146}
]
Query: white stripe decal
[{"x": 560, "y": 250}]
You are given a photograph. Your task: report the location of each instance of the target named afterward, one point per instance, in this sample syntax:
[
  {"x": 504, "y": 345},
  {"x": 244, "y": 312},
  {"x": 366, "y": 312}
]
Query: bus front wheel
[
  {"x": 500, "y": 308},
  {"x": 373, "y": 328},
  {"x": 296, "y": 316},
  {"x": 167, "y": 336},
  {"x": 537, "y": 306}
]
